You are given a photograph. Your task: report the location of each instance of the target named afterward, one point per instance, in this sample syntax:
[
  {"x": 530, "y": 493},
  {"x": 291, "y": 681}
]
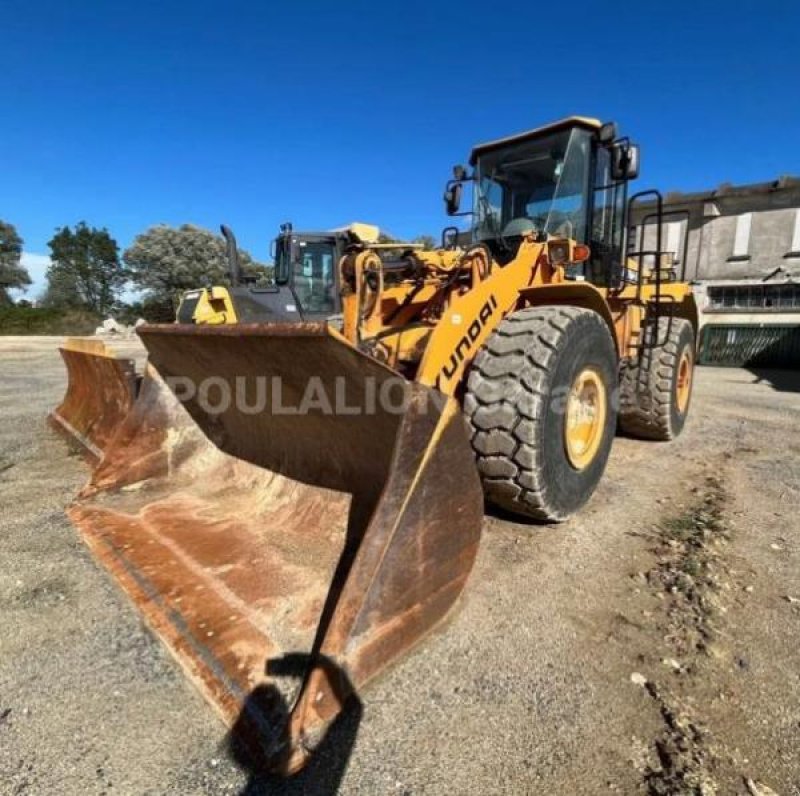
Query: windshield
[
  {"x": 312, "y": 275},
  {"x": 309, "y": 266},
  {"x": 541, "y": 183}
]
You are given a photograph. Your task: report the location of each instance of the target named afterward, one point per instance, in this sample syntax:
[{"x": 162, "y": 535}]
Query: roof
[
  {"x": 368, "y": 233},
  {"x": 554, "y": 127},
  {"x": 727, "y": 190}
]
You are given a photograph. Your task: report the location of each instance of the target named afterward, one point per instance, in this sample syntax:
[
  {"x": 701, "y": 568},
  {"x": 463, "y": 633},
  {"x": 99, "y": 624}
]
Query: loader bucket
[
  {"x": 334, "y": 525},
  {"x": 101, "y": 389},
  {"x": 149, "y": 442}
]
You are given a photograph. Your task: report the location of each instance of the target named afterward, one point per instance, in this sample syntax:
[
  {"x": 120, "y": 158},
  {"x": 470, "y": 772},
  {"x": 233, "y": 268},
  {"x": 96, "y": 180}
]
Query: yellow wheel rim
[
  {"x": 585, "y": 418},
  {"x": 683, "y": 384}
]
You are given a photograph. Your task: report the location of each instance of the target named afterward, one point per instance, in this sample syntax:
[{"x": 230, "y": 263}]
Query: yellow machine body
[
  {"x": 207, "y": 305},
  {"x": 452, "y": 323}
]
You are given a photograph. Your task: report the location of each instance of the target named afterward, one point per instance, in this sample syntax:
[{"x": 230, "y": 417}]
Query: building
[{"x": 740, "y": 247}]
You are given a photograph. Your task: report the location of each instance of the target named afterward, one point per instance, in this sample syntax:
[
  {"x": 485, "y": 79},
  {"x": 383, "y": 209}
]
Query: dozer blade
[
  {"x": 101, "y": 389},
  {"x": 332, "y": 523}
]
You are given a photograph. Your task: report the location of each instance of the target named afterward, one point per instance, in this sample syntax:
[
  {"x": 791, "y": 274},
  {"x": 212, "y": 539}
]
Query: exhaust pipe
[{"x": 233, "y": 254}]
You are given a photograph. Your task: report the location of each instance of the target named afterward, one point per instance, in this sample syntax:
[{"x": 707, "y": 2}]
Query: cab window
[
  {"x": 607, "y": 222},
  {"x": 314, "y": 277}
]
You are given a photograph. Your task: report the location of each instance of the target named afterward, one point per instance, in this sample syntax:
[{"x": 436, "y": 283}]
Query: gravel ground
[{"x": 570, "y": 665}]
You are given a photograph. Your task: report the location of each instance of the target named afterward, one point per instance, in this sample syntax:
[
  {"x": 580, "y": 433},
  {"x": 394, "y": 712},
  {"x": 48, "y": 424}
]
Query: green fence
[{"x": 751, "y": 345}]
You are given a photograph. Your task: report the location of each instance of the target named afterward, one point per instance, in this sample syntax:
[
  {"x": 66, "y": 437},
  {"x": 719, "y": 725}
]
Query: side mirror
[
  {"x": 452, "y": 198},
  {"x": 625, "y": 161},
  {"x": 633, "y": 162},
  {"x": 282, "y": 247}
]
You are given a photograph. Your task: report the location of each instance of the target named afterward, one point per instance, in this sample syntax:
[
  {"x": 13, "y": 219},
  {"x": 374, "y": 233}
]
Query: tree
[
  {"x": 150, "y": 309},
  {"x": 165, "y": 261},
  {"x": 85, "y": 268},
  {"x": 12, "y": 274},
  {"x": 62, "y": 291}
]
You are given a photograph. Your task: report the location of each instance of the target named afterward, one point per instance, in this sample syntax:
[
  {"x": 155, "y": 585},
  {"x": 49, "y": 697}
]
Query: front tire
[{"x": 540, "y": 405}]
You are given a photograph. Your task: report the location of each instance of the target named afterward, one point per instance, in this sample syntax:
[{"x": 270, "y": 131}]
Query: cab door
[
  {"x": 314, "y": 278},
  {"x": 608, "y": 222}
]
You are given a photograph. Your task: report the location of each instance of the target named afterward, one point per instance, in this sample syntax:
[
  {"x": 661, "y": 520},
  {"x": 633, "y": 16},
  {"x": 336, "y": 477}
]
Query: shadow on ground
[
  {"x": 783, "y": 380},
  {"x": 323, "y": 773}
]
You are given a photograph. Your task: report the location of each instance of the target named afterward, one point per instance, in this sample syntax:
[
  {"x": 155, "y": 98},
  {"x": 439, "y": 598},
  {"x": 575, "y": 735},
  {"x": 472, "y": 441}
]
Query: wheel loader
[
  {"x": 306, "y": 284},
  {"x": 292, "y": 491}
]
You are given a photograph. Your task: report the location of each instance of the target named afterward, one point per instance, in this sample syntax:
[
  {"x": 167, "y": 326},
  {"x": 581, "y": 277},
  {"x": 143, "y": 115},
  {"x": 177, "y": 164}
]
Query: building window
[
  {"x": 741, "y": 239},
  {"x": 794, "y": 250},
  {"x": 674, "y": 240},
  {"x": 754, "y": 298}
]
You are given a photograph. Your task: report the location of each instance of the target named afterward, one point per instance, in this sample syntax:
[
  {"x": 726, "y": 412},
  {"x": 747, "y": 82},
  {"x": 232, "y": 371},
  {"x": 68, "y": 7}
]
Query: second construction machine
[
  {"x": 305, "y": 283},
  {"x": 315, "y": 494}
]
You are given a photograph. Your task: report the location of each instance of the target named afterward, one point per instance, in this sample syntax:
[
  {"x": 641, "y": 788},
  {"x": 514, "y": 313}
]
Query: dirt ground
[{"x": 649, "y": 645}]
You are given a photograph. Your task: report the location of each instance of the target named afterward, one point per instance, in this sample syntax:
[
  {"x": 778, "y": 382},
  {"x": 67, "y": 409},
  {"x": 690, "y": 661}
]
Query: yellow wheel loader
[{"x": 293, "y": 506}]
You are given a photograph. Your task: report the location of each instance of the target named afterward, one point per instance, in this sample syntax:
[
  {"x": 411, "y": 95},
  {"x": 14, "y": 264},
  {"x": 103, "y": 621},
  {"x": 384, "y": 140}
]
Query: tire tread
[
  {"x": 513, "y": 481},
  {"x": 646, "y": 385}
]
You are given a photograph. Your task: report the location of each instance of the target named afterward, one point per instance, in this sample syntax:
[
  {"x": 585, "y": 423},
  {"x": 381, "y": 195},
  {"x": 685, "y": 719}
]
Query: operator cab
[
  {"x": 566, "y": 180},
  {"x": 307, "y": 264}
]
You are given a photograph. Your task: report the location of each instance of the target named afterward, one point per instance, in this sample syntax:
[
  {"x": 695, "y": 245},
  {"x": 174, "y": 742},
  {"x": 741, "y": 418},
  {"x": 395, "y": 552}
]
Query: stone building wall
[{"x": 742, "y": 248}]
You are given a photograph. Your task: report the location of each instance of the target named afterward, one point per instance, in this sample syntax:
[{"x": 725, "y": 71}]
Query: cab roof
[{"x": 563, "y": 124}]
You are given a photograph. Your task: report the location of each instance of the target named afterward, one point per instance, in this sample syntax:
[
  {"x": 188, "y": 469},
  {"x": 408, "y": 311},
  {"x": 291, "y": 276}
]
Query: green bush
[
  {"x": 36, "y": 320},
  {"x": 151, "y": 309}
]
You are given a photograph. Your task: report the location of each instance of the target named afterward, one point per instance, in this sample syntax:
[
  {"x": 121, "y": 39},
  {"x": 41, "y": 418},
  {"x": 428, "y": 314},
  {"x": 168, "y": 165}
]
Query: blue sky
[{"x": 130, "y": 114}]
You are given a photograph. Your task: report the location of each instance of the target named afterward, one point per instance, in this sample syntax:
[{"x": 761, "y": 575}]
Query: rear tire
[
  {"x": 654, "y": 392},
  {"x": 540, "y": 406}
]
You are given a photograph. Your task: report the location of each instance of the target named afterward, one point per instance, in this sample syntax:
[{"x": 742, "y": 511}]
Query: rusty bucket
[
  {"x": 101, "y": 389},
  {"x": 305, "y": 503}
]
